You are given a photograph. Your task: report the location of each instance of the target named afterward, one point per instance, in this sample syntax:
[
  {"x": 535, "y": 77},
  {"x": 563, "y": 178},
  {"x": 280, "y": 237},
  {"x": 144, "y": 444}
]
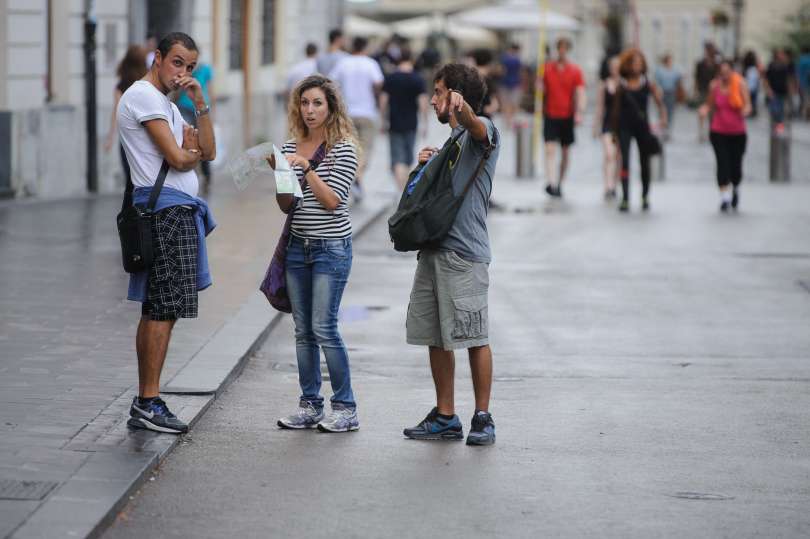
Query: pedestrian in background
[
  {"x": 327, "y": 61},
  {"x": 728, "y": 104},
  {"x": 631, "y": 121},
  {"x": 158, "y": 141},
  {"x": 303, "y": 69},
  {"x": 404, "y": 102},
  {"x": 131, "y": 69},
  {"x": 752, "y": 71},
  {"x": 482, "y": 61},
  {"x": 448, "y": 302},
  {"x": 668, "y": 79},
  {"x": 510, "y": 90},
  {"x": 204, "y": 74},
  {"x": 705, "y": 72},
  {"x": 780, "y": 87},
  {"x": 360, "y": 80},
  {"x": 323, "y": 155},
  {"x": 605, "y": 102},
  {"x": 803, "y": 79},
  {"x": 563, "y": 106}
]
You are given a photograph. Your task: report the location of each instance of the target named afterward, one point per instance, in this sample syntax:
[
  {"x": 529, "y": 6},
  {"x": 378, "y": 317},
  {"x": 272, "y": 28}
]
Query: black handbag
[{"x": 135, "y": 229}]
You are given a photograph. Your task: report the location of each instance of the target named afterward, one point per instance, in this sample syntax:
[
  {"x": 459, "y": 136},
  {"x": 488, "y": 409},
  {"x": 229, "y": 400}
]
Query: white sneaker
[
  {"x": 340, "y": 420},
  {"x": 307, "y": 417}
]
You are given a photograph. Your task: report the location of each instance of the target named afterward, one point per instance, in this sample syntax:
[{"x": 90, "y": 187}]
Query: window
[
  {"x": 268, "y": 33},
  {"x": 235, "y": 59}
]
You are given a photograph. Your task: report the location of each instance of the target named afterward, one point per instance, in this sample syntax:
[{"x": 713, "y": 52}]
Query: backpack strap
[{"x": 482, "y": 162}]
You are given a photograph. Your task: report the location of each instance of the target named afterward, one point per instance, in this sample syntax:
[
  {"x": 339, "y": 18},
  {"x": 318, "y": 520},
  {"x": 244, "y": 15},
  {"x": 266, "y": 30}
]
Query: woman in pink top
[{"x": 729, "y": 103}]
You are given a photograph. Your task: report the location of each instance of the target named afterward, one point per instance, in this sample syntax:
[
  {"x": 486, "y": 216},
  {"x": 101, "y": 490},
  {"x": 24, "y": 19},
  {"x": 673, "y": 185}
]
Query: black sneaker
[
  {"x": 724, "y": 206},
  {"x": 153, "y": 414},
  {"x": 482, "y": 431},
  {"x": 624, "y": 206},
  {"x": 645, "y": 204},
  {"x": 735, "y": 198},
  {"x": 434, "y": 427}
]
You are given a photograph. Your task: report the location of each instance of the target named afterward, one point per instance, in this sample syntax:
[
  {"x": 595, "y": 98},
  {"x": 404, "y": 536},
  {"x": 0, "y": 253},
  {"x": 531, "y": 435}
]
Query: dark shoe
[
  {"x": 482, "y": 431},
  {"x": 434, "y": 427},
  {"x": 724, "y": 207},
  {"x": 735, "y": 199},
  {"x": 554, "y": 191},
  {"x": 624, "y": 206},
  {"x": 153, "y": 414},
  {"x": 645, "y": 204}
]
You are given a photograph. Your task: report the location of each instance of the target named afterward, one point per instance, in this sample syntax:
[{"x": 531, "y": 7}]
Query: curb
[{"x": 120, "y": 461}]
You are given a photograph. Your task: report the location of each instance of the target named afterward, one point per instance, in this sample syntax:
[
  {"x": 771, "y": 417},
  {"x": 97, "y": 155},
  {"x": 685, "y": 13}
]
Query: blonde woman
[{"x": 323, "y": 154}]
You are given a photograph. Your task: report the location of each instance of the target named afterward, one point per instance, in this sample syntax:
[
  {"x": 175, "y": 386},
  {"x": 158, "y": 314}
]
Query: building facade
[{"x": 43, "y": 137}]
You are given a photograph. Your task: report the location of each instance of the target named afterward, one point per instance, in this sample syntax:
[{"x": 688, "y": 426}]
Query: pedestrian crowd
[{"x": 338, "y": 101}]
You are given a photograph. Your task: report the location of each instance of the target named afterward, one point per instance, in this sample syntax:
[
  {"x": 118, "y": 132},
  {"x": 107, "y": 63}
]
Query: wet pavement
[
  {"x": 67, "y": 364},
  {"x": 651, "y": 377}
]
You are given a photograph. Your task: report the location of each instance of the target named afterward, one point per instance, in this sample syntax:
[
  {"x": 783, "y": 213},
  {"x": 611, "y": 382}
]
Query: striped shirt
[{"x": 337, "y": 170}]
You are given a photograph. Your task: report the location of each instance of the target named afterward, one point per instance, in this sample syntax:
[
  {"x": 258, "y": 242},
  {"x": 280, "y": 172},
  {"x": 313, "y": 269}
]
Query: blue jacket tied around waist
[{"x": 205, "y": 224}]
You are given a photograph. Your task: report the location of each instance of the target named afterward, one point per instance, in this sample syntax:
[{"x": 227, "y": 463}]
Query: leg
[
  {"x": 481, "y": 369},
  {"x": 723, "y": 158},
  {"x": 330, "y": 273},
  {"x": 563, "y": 163},
  {"x": 299, "y": 287},
  {"x": 550, "y": 149},
  {"x": 624, "y": 152},
  {"x": 153, "y": 336},
  {"x": 644, "y": 163},
  {"x": 443, "y": 369},
  {"x": 737, "y": 151},
  {"x": 609, "y": 163}
]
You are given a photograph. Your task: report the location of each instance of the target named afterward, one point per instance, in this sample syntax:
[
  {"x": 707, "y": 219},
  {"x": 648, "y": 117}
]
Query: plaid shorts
[{"x": 172, "y": 284}]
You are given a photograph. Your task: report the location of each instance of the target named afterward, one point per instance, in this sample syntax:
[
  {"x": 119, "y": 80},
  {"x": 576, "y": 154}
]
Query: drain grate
[
  {"x": 14, "y": 489},
  {"x": 701, "y": 496}
]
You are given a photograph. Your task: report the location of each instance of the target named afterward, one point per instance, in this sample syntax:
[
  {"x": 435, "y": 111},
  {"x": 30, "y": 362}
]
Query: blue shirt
[
  {"x": 511, "y": 66},
  {"x": 203, "y": 74},
  {"x": 803, "y": 71},
  {"x": 138, "y": 282}
]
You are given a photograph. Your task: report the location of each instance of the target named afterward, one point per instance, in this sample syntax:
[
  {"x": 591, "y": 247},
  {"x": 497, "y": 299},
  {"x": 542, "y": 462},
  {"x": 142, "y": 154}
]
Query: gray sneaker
[
  {"x": 340, "y": 420},
  {"x": 306, "y": 417}
]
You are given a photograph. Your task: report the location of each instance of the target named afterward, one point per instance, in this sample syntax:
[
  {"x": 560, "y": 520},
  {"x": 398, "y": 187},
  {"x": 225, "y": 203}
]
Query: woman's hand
[{"x": 296, "y": 160}]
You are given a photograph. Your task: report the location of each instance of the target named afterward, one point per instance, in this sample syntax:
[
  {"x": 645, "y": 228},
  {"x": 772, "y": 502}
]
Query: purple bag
[{"x": 274, "y": 284}]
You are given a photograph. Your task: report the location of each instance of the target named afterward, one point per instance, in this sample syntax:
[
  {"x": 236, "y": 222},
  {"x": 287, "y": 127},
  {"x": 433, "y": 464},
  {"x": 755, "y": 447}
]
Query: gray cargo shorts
[{"x": 448, "y": 306}]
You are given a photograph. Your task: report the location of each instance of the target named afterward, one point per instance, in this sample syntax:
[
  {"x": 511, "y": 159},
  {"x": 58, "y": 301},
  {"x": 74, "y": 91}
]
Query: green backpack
[{"x": 428, "y": 206}]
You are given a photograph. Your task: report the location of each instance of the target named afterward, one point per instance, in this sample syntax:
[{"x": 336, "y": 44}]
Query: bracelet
[
  {"x": 307, "y": 170},
  {"x": 203, "y": 111}
]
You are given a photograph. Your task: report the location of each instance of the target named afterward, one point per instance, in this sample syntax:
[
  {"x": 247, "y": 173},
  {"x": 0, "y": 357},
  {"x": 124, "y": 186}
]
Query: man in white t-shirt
[
  {"x": 360, "y": 79},
  {"x": 152, "y": 131}
]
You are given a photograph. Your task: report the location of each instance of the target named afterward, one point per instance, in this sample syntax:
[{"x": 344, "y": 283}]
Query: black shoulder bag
[{"x": 135, "y": 229}]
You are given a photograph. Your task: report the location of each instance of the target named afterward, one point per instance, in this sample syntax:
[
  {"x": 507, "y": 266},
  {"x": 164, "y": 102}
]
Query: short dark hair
[
  {"x": 482, "y": 57},
  {"x": 405, "y": 55},
  {"x": 466, "y": 80},
  {"x": 335, "y": 34},
  {"x": 174, "y": 38},
  {"x": 359, "y": 44},
  {"x": 311, "y": 49},
  {"x": 564, "y": 41}
]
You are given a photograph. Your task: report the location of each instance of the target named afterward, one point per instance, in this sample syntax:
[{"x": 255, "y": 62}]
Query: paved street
[{"x": 651, "y": 381}]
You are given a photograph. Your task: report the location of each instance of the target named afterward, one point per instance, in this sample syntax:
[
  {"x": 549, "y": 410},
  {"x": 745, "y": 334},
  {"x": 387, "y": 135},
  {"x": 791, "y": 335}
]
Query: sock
[
  {"x": 445, "y": 417},
  {"x": 725, "y": 196}
]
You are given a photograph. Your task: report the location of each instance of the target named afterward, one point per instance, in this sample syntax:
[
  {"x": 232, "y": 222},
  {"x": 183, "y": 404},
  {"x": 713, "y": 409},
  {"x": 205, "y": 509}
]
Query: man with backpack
[{"x": 448, "y": 302}]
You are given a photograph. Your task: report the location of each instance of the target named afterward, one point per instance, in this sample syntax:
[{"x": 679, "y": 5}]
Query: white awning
[
  {"x": 515, "y": 15},
  {"x": 422, "y": 27}
]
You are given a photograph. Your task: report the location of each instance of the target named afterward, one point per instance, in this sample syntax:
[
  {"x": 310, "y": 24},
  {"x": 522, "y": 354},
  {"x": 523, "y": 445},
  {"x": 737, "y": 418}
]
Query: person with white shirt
[
  {"x": 158, "y": 142},
  {"x": 360, "y": 80},
  {"x": 327, "y": 61},
  {"x": 303, "y": 69}
]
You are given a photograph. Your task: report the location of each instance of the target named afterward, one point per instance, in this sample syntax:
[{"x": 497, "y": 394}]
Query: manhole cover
[
  {"x": 14, "y": 489},
  {"x": 701, "y": 496}
]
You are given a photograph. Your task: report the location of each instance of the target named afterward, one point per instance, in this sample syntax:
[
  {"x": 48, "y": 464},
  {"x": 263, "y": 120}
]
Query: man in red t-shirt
[{"x": 564, "y": 103}]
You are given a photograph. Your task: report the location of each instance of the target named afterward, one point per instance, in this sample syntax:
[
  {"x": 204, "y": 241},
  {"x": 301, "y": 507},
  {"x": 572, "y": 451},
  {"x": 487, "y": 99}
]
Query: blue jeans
[
  {"x": 776, "y": 106},
  {"x": 317, "y": 272}
]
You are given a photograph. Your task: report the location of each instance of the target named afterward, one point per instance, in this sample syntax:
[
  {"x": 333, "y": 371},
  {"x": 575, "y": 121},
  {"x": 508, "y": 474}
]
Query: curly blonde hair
[{"x": 338, "y": 126}]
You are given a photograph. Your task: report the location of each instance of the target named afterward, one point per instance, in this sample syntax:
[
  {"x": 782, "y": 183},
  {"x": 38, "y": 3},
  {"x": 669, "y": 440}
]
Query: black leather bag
[{"x": 135, "y": 229}]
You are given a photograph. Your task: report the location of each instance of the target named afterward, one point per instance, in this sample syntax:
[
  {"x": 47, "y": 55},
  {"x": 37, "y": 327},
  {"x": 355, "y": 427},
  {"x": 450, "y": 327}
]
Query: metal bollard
[
  {"x": 525, "y": 153},
  {"x": 780, "y": 152}
]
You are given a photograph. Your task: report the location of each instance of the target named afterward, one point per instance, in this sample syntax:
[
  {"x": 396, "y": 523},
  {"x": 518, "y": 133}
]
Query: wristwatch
[
  {"x": 203, "y": 111},
  {"x": 306, "y": 170}
]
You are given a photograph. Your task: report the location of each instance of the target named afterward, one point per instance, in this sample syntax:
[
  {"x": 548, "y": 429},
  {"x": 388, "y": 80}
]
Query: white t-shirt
[
  {"x": 142, "y": 102},
  {"x": 356, "y": 75},
  {"x": 300, "y": 71}
]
